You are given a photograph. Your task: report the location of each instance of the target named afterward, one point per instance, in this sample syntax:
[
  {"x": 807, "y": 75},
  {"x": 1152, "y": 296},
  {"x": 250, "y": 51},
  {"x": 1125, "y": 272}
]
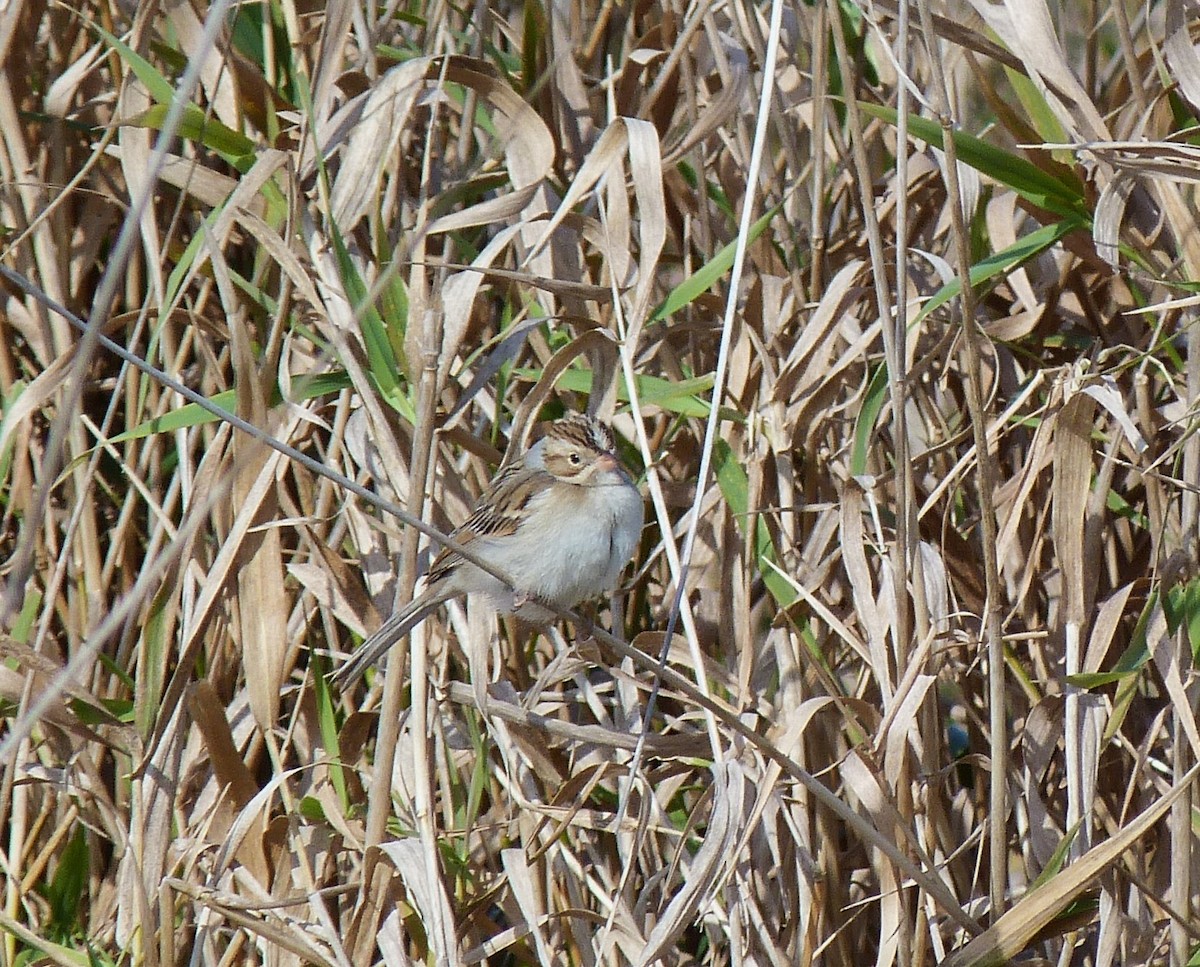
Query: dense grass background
[{"x": 930, "y": 694}]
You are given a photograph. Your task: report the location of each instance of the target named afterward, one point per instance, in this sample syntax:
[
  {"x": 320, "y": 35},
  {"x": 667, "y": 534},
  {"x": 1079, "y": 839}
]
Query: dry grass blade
[
  {"x": 428, "y": 898},
  {"x": 1010, "y": 934},
  {"x": 705, "y": 871},
  {"x": 1072, "y": 479}
]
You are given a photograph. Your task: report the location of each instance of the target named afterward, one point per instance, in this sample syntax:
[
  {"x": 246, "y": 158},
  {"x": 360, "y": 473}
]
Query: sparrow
[{"x": 562, "y": 522}]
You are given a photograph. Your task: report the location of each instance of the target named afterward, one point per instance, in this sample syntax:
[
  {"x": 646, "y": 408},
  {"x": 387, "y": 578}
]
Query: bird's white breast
[{"x": 574, "y": 542}]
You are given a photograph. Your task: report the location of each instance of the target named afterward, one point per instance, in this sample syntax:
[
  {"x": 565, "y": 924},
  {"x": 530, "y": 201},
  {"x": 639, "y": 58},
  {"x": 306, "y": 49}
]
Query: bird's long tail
[{"x": 391, "y": 631}]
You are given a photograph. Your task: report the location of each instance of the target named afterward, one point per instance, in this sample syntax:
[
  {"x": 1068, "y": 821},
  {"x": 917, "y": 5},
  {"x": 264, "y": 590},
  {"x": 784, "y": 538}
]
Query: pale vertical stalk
[
  {"x": 820, "y": 68},
  {"x": 906, "y": 507},
  {"x": 883, "y": 301},
  {"x": 380, "y": 802},
  {"x": 984, "y": 478},
  {"x": 1181, "y": 827},
  {"x": 1072, "y": 746},
  {"x": 1181, "y": 811},
  {"x": 422, "y": 447},
  {"x": 731, "y": 308},
  {"x": 892, "y": 321},
  {"x": 1181, "y": 838},
  {"x": 422, "y": 777},
  {"x": 18, "y": 827},
  {"x": 904, "y": 550},
  {"x": 166, "y": 919},
  {"x": 380, "y": 799}
]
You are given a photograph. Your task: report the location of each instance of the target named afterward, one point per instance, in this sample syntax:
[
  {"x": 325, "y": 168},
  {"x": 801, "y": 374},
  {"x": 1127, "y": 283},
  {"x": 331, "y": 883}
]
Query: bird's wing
[{"x": 497, "y": 515}]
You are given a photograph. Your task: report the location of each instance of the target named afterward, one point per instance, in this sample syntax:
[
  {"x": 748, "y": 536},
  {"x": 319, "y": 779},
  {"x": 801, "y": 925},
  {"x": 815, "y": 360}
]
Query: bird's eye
[{"x": 575, "y": 459}]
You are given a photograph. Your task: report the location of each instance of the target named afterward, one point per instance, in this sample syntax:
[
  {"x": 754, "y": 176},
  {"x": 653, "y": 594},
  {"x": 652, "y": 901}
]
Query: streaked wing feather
[{"x": 498, "y": 513}]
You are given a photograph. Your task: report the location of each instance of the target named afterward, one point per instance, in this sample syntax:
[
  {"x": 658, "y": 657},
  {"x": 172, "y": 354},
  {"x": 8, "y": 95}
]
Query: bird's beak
[{"x": 608, "y": 463}]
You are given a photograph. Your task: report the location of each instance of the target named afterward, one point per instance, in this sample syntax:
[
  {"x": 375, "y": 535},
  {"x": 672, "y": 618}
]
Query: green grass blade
[
  {"x": 192, "y": 414},
  {"x": 1025, "y": 178},
  {"x": 199, "y": 127},
  {"x": 707, "y": 275},
  {"x": 683, "y": 397},
  {"x": 1003, "y": 262},
  {"x": 384, "y": 368},
  {"x": 877, "y": 393},
  {"x": 157, "y": 86},
  {"x": 735, "y": 488}
]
